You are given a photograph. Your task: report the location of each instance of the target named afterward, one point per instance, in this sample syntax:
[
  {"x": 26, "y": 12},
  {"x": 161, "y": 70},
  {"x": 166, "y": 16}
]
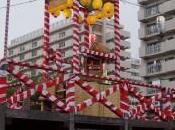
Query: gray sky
[{"x": 28, "y": 17}]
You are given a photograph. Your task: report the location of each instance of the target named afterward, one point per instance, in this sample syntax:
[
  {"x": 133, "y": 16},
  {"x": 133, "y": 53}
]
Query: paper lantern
[
  {"x": 108, "y": 9},
  {"x": 91, "y": 19},
  {"x": 99, "y": 14},
  {"x": 69, "y": 3},
  {"x": 97, "y": 4},
  {"x": 85, "y": 3},
  {"x": 67, "y": 13},
  {"x": 62, "y": 7},
  {"x": 56, "y": 13}
]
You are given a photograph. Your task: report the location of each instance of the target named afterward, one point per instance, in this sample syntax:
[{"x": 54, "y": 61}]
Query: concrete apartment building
[
  {"x": 28, "y": 48},
  {"x": 157, "y": 49},
  {"x": 135, "y": 69}
]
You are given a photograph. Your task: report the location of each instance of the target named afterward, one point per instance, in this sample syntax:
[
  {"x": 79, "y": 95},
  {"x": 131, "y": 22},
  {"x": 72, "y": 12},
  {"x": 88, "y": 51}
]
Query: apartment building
[
  {"x": 28, "y": 48},
  {"x": 157, "y": 49},
  {"x": 135, "y": 69}
]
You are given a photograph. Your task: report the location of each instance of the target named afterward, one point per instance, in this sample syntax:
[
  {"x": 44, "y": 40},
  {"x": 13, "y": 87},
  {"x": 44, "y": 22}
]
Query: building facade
[
  {"x": 157, "y": 49},
  {"x": 28, "y": 48}
]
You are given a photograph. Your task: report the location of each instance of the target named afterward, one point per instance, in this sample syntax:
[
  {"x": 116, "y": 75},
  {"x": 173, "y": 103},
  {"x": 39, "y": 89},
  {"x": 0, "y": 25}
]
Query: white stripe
[
  {"x": 52, "y": 98},
  {"x": 108, "y": 103},
  {"x": 2, "y": 95},
  {"x": 69, "y": 98},
  {"x": 23, "y": 76},
  {"x": 88, "y": 102},
  {"x": 70, "y": 90},
  {"x": 60, "y": 104},
  {"x": 3, "y": 86},
  {"x": 29, "y": 81}
]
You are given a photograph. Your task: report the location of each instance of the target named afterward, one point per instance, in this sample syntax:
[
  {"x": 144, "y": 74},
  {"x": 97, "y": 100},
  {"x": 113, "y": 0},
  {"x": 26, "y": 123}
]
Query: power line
[{"x": 17, "y": 4}]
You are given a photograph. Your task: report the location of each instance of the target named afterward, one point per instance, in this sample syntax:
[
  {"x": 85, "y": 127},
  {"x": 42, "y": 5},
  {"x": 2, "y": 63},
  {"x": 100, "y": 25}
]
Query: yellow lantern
[
  {"x": 108, "y": 9},
  {"x": 62, "y": 7},
  {"x": 99, "y": 14},
  {"x": 69, "y": 3},
  {"x": 56, "y": 13},
  {"x": 85, "y": 3},
  {"x": 97, "y": 4},
  {"x": 91, "y": 19},
  {"x": 67, "y": 13}
]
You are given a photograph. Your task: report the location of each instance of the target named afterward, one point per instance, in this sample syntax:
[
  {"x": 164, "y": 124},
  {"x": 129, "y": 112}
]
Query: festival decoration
[
  {"x": 99, "y": 8},
  {"x": 93, "y": 10}
]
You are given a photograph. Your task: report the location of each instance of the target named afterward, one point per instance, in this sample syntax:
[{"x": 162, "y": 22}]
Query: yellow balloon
[
  {"x": 97, "y": 4},
  {"x": 108, "y": 9},
  {"x": 99, "y": 14},
  {"x": 91, "y": 19},
  {"x": 69, "y": 3},
  {"x": 67, "y": 13}
]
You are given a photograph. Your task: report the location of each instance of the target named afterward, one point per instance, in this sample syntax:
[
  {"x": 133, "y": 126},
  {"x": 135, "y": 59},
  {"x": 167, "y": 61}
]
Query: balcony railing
[
  {"x": 154, "y": 68},
  {"x": 153, "y": 29},
  {"x": 152, "y": 49}
]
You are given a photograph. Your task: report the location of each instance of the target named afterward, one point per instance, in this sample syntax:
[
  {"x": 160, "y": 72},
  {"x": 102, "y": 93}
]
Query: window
[
  {"x": 62, "y": 34},
  {"x": 22, "y": 48},
  {"x": 34, "y": 53},
  {"x": 21, "y": 57},
  {"x": 153, "y": 48},
  {"x": 10, "y": 52},
  {"x": 63, "y": 54},
  {"x": 33, "y": 61},
  {"x": 154, "y": 66},
  {"x": 152, "y": 10},
  {"x": 34, "y": 44},
  {"x": 134, "y": 66},
  {"x": 152, "y": 29},
  {"x": 134, "y": 74},
  {"x": 61, "y": 44},
  {"x": 152, "y": 91}
]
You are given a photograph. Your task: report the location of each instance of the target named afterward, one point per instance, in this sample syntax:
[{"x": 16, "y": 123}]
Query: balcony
[
  {"x": 125, "y": 75},
  {"x": 165, "y": 47},
  {"x": 146, "y": 34},
  {"x": 124, "y": 34},
  {"x": 144, "y": 16},
  {"x": 125, "y": 55},
  {"x": 168, "y": 66},
  {"x": 126, "y": 64},
  {"x": 164, "y": 68},
  {"x": 162, "y": 10},
  {"x": 167, "y": 7},
  {"x": 125, "y": 45},
  {"x": 142, "y": 1}
]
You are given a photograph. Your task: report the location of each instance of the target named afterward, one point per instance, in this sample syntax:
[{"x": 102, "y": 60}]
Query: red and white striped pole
[
  {"x": 3, "y": 89},
  {"x": 6, "y": 29},
  {"x": 117, "y": 38},
  {"x": 86, "y": 31},
  {"x": 70, "y": 94},
  {"x": 76, "y": 58},
  {"x": 46, "y": 38}
]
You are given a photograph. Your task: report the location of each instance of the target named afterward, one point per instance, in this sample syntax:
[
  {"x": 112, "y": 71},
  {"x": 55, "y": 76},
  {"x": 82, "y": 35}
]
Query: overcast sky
[{"x": 28, "y": 17}]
